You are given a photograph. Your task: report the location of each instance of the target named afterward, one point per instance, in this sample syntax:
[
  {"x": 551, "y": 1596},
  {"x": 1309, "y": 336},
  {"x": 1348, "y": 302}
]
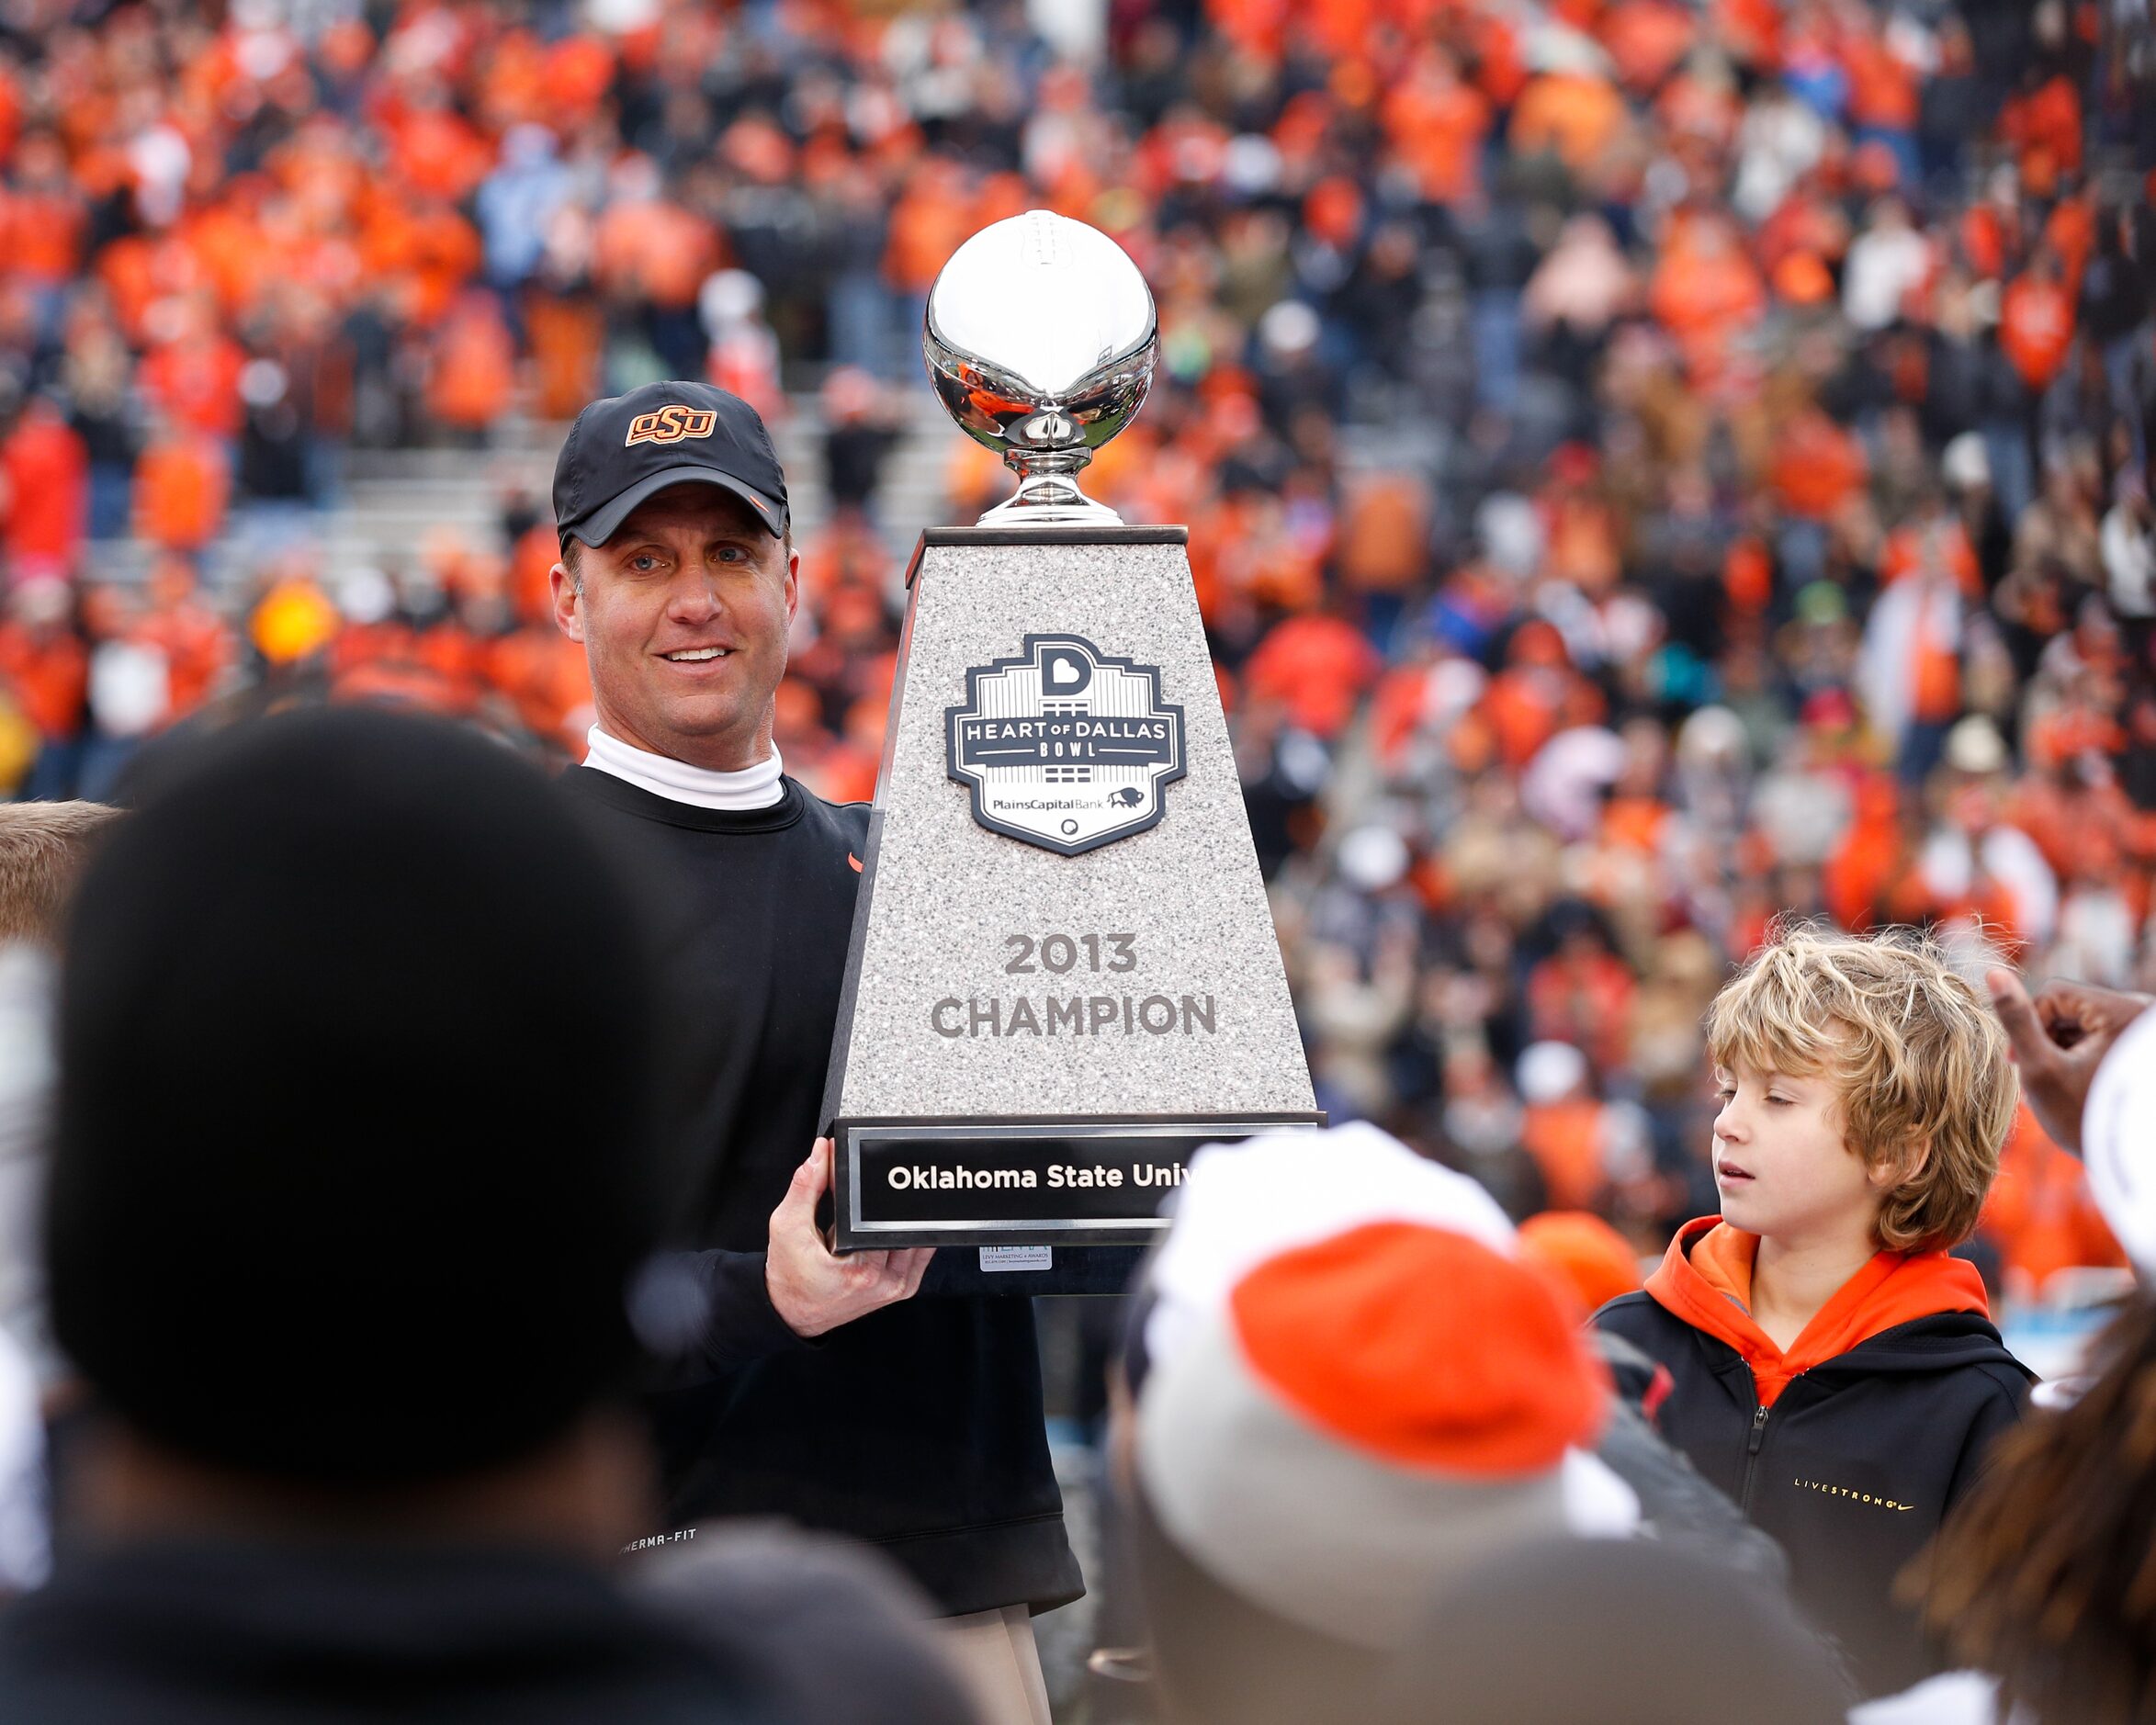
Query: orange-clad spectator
[
  {"x": 2044, "y": 124},
  {"x": 1581, "y": 994},
  {"x": 1563, "y": 1127},
  {"x": 1807, "y": 223},
  {"x": 579, "y": 70},
  {"x": 1574, "y": 115},
  {"x": 182, "y": 484},
  {"x": 442, "y": 252},
  {"x": 1495, "y": 46},
  {"x": 1580, "y": 529},
  {"x": 546, "y": 677},
  {"x": 1702, "y": 105},
  {"x": 512, "y": 82},
  {"x": 436, "y": 152},
  {"x": 1987, "y": 237},
  {"x": 1882, "y": 85},
  {"x": 1257, "y": 27},
  {"x": 10, "y": 111},
  {"x": 1647, "y": 39},
  {"x": 530, "y": 561},
  {"x": 1945, "y": 542},
  {"x": 194, "y": 379},
  {"x": 1872, "y": 855},
  {"x": 42, "y": 217},
  {"x": 2039, "y": 1213},
  {"x": 228, "y": 246},
  {"x": 1800, "y": 279},
  {"x": 127, "y": 269},
  {"x": 1317, "y": 667},
  {"x": 846, "y": 772},
  {"x": 564, "y": 335},
  {"x": 456, "y": 658},
  {"x": 2070, "y": 232},
  {"x": 421, "y": 252},
  {"x": 196, "y": 642},
  {"x": 1383, "y": 544},
  {"x": 1537, "y": 694},
  {"x": 2036, "y": 320},
  {"x": 932, "y": 219},
  {"x": 45, "y": 664},
  {"x": 474, "y": 365},
  {"x": 1816, "y": 466},
  {"x": 1705, "y": 288},
  {"x": 1437, "y": 123},
  {"x": 1749, "y": 31},
  {"x": 649, "y": 247},
  {"x": 45, "y": 493},
  {"x": 1635, "y": 823}
]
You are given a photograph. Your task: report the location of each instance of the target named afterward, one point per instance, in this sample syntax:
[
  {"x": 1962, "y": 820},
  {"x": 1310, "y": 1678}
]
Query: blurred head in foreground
[
  {"x": 1343, "y": 1393},
  {"x": 329, "y": 1207},
  {"x": 42, "y": 849},
  {"x": 1619, "y": 1632},
  {"x": 2044, "y": 1576}
]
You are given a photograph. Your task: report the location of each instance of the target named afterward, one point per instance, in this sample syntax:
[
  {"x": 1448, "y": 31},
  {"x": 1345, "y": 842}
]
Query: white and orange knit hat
[{"x": 1352, "y": 1390}]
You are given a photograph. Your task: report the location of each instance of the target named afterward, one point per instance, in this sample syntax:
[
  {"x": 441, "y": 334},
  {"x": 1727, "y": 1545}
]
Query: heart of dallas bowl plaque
[{"x": 1065, "y": 746}]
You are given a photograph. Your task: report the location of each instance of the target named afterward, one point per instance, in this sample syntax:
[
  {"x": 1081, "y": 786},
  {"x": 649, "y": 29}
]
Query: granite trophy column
[{"x": 1063, "y": 977}]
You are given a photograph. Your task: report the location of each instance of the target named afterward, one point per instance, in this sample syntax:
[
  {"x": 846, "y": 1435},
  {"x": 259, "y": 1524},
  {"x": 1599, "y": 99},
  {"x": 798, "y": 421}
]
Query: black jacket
[
  {"x": 917, "y": 1428},
  {"x": 1853, "y": 1468},
  {"x": 1677, "y": 1505},
  {"x": 187, "y": 1634}
]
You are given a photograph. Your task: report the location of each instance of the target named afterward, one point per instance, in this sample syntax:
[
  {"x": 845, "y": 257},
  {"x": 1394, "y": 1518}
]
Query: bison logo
[{"x": 669, "y": 426}]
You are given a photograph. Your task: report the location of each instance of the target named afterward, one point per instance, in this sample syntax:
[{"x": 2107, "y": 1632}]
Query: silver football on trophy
[{"x": 1039, "y": 339}]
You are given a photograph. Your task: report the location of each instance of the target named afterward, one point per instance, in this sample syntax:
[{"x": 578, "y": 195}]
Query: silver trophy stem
[{"x": 1048, "y": 495}]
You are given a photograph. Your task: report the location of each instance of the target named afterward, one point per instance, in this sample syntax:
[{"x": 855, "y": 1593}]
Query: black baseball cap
[{"x": 629, "y": 447}]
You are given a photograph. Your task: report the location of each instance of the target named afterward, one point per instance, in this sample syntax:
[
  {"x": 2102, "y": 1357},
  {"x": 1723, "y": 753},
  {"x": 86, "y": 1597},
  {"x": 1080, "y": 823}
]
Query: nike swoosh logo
[{"x": 854, "y": 861}]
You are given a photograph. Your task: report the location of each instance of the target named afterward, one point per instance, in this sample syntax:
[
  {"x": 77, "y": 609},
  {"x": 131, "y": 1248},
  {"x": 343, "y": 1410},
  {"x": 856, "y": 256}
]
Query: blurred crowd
[{"x": 1649, "y": 464}]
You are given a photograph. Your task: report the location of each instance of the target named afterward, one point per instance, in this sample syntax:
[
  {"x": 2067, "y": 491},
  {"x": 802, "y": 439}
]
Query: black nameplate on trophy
[{"x": 1016, "y": 1182}]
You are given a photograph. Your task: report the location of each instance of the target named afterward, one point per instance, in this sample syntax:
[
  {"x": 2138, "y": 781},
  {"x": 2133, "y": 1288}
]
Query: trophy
[
  {"x": 1039, "y": 339},
  {"x": 1062, "y": 976}
]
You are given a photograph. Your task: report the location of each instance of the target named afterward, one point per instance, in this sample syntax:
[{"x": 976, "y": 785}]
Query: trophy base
[
  {"x": 1064, "y": 975},
  {"x": 1021, "y": 1181}
]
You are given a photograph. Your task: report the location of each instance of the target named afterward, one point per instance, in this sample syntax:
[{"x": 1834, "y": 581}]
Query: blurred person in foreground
[
  {"x": 2042, "y": 1578},
  {"x": 42, "y": 849},
  {"x": 810, "y": 1386},
  {"x": 1619, "y": 1632},
  {"x": 1341, "y": 1395},
  {"x": 341, "y": 1249},
  {"x": 1833, "y": 1368}
]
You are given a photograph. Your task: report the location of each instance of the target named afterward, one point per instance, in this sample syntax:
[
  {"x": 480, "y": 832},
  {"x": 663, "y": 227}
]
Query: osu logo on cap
[{"x": 669, "y": 426}]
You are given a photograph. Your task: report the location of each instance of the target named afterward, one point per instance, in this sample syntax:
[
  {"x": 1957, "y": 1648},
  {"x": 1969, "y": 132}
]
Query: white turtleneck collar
[{"x": 678, "y": 781}]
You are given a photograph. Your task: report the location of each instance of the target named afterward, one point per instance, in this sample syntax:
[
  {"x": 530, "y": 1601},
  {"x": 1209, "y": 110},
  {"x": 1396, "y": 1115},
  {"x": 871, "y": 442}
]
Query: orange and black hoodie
[{"x": 1850, "y": 1446}]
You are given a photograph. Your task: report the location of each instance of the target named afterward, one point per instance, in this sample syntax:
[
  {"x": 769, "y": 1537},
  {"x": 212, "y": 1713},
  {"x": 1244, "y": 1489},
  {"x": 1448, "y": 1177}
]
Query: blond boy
[{"x": 1830, "y": 1367}]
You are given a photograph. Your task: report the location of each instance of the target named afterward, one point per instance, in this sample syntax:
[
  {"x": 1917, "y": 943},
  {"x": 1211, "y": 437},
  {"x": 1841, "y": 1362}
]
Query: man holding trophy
[
  {"x": 827, "y": 1394},
  {"x": 1006, "y": 1005}
]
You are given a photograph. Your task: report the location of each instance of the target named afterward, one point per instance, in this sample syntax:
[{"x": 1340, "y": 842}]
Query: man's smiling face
[{"x": 684, "y": 615}]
